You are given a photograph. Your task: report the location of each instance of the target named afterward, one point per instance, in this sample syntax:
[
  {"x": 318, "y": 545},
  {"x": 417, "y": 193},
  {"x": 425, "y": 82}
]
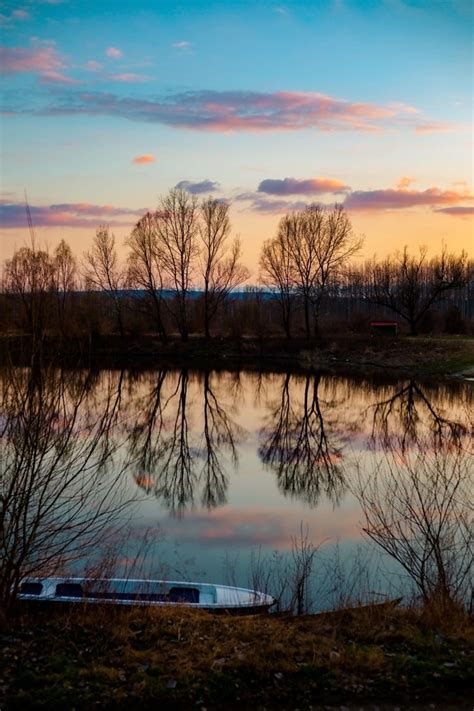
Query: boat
[
  {"x": 155, "y": 593},
  {"x": 343, "y": 613}
]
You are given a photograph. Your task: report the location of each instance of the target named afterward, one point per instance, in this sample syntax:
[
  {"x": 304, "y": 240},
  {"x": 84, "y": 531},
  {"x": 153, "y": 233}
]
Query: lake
[{"x": 221, "y": 472}]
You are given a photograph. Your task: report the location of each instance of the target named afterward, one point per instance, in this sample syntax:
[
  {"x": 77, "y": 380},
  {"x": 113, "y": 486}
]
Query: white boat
[{"x": 156, "y": 593}]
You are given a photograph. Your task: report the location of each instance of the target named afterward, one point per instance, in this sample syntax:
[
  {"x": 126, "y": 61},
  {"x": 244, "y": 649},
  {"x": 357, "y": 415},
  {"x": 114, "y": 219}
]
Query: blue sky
[{"x": 373, "y": 95}]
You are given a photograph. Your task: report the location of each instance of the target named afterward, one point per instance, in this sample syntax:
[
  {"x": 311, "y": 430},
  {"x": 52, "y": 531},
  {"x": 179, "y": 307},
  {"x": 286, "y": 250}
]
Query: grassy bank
[
  {"x": 109, "y": 658},
  {"x": 414, "y": 356}
]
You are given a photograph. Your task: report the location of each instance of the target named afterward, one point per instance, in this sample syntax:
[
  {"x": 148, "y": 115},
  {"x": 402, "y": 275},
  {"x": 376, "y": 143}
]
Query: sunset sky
[{"x": 106, "y": 105}]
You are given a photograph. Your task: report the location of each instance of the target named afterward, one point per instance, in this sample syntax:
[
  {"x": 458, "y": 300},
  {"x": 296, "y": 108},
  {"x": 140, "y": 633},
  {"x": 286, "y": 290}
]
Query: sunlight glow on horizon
[{"x": 298, "y": 108}]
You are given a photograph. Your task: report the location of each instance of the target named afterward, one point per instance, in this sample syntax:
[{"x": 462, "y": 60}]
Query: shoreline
[{"x": 404, "y": 356}]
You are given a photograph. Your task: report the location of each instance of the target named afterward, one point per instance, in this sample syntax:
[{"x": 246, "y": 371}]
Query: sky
[{"x": 272, "y": 106}]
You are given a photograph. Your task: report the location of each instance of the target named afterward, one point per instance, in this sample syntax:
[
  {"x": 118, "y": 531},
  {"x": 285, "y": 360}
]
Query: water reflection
[
  {"x": 411, "y": 415},
  {"x": 301, "y": 446},
  {"x": 171, "y": 459},
  {"x": 183, "y": 433},
  {"x": 59, "y": 488},
  {"x": 221, "y": 433}
]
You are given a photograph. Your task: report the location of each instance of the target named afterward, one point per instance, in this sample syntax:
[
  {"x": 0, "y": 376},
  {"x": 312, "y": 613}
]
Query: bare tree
[
  {"x": 28, "y": 277},
  {"x": 64, "y": 282},
  {"x": 336, "y": 244},
  {"x": 145, "y": 266},
  {"x": 277, "y": 271},
  {"x": 409, "y": 285},
  {"x": 302, "y": 244},
  {"x": 321, "y": 246},
  {"x": 57, "y": 493},
  {"x": 418, "y": 509},
  {"x": 103, "y": 272},
  {"x": 177, "y": 233},
  {"x": 220, "y": 262},
  {"x": 311, "y": 248}
]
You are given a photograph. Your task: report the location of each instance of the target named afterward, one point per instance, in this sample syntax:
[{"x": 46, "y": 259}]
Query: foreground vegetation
[{"x": 108, "y": 658}]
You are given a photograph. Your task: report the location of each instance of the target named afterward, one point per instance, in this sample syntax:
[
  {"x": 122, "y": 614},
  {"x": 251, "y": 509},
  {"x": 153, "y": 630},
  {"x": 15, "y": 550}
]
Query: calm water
[{"x": 219, "y": 467}]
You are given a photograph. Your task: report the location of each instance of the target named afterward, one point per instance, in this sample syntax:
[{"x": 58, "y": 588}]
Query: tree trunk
[
  {"x": 306, "y": 317},
  {"x": 287, "y": 320},
  {"x": 159, "y": 320},
  {"x": 207, "y": 334}
]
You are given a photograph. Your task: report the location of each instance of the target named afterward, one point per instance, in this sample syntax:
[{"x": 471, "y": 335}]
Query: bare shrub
[
  {"x": 417, "y": 508},
  {"x": 59, "y": 494}
]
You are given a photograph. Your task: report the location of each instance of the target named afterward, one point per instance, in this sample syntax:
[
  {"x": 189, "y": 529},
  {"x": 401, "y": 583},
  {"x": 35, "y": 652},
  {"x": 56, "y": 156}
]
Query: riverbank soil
[{"x": 111, "y": 658}]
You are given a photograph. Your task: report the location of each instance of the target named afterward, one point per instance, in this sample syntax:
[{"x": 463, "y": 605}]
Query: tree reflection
[
  {"x": 219, "y": 434},
  {"x": 304, "y": 453},
  {"x": 408, "y": 414},
  {"x": 173, "y": 463},
  {"x": 58, "y": 490}
]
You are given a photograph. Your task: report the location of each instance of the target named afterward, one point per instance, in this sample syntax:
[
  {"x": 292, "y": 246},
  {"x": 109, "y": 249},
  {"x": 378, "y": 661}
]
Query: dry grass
[{"x": 116, "y": 658}]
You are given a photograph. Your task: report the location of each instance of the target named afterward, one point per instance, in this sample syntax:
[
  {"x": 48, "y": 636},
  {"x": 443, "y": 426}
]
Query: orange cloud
[
  {"x": 144, "y": 159},
  {"x": 405, "y": 182}
]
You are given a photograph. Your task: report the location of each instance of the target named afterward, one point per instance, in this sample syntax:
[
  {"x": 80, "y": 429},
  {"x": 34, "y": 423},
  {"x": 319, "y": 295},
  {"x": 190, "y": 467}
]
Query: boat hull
[{"x": 144, "y": 593}]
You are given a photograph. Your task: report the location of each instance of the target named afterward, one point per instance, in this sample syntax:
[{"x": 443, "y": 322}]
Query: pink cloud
[
  {"x": 293, "y": 186},
  {"x": 434, "y": 127},
  {"x": 20, "y": 14},
  {"x": 144, "y": 159},
  {"x": 227, "y": 111},
  {"x": 256, "y": 526},
  {"x": 114, "y": 52},
  {"x": 93, "y": 66},
  {"x": 369, "y": 200},
  {"x": 43, "y": 61},
  {"x": 130, "y": 78},
  {"x": 401, "y": 107},
  {"x": 83, "y": 214}
]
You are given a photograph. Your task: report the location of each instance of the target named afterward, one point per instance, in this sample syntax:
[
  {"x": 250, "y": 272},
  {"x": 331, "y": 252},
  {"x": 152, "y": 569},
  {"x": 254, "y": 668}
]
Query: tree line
[{"x": 183, "y": 268}]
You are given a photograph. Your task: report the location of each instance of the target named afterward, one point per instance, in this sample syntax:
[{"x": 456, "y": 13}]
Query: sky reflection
[{"x": 220, "y": 463}]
